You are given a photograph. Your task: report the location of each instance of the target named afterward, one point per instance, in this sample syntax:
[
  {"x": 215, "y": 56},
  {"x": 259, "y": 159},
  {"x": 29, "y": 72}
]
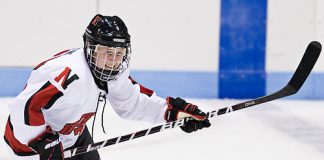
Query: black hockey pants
[{"x": 84, "y": 139}]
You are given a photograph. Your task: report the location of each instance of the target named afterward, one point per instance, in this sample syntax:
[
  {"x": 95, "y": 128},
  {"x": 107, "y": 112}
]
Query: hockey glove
[
  {"x": 47, "y": 145},
  {"x": 179, "y": 109}
]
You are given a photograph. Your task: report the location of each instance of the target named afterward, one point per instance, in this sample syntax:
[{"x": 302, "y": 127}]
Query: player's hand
[
  {"x": 47, "y": 145},
  {"x": 179, "y": 109}
]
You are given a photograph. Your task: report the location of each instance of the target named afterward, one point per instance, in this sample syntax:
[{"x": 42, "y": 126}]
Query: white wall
[
  {"x": 319, "y": 20},
  {"x": 34, "y": 30},
  {"x": 292, "y": 24},
  {"x": 171, "y": 34},
  {"x": 166, "y": 34}
]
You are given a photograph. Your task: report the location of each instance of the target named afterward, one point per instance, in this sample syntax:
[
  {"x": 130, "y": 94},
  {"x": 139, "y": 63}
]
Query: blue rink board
[
  {"x": 165, "y": 83},
  {"x": 242, "y": 48},
  {"x": 177, "y": 83},
  {"x": 311, "y": 89}
]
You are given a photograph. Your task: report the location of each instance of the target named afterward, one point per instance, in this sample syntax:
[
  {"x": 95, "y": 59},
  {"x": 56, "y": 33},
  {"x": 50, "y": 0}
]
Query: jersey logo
[
  {"x": 45, "y": 97},
  {"x": 76, "y": 127}
]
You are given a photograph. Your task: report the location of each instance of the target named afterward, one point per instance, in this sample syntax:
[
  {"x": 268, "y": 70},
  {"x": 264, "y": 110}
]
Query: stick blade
[{"x": 305, "y": 66}]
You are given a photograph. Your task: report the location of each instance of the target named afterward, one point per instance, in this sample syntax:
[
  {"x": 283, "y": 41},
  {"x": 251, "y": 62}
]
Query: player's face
[{"x": 108, "y": 58}]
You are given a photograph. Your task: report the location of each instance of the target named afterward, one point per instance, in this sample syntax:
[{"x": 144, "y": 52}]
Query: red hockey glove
[
  {"x": 179, "y": 109},
  {"x": 47, "y": 145}
]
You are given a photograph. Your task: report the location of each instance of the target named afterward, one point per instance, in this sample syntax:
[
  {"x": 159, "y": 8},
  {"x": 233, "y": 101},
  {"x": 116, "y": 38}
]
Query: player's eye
[
  {"x": 120, "y": 54},
  {"x": 109, "y": 53}
]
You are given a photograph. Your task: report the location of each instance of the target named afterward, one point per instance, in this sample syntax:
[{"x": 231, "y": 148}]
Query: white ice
[{"x": 282, "y": 129}]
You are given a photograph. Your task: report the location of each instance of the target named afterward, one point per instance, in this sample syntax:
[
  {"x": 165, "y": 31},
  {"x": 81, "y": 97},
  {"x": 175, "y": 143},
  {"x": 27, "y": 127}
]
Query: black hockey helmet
[{"x": 108, "y": 31}]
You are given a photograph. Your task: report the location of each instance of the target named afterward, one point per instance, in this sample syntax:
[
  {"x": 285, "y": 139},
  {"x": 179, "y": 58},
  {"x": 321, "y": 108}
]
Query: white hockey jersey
[{"x": 61, "y": 93}]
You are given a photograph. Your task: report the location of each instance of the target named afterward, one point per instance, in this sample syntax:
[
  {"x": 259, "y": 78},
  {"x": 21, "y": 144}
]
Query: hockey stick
[{"x": 303, "y": 70}]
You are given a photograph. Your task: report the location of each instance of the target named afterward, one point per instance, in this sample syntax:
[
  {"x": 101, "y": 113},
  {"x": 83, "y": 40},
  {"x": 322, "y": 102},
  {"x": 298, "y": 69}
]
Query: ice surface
[{"x": 282, "y": 129}]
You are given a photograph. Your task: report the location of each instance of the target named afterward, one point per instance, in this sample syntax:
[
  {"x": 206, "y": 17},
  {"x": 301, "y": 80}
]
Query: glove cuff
[{"x": 179, "y": 109}]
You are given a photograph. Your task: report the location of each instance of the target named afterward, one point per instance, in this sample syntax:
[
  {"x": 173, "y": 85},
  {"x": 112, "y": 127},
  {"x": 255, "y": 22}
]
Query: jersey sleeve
[
  {"x": 133, "y": 101},
  {"x": 26, "y": 110}
]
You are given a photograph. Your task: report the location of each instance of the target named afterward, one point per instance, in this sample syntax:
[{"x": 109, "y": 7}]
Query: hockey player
[{"x": 62, "y": 94}]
